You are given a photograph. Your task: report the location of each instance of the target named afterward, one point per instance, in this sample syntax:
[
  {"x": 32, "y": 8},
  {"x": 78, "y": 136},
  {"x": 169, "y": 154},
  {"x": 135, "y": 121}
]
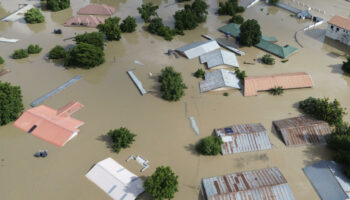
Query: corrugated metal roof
[
  {"x": 219, "y": 79},
  {"x": 198, "y": 48},
  {"x": 85, "y": 20},
  {"x": 341, "y": 22},
  {"x": 253, "y": 84},
  {"x": 243, "y": 138},
  {"x": 96, "y": 9},
  {"x": 302, "y": 130},
  {"x": 219, "y": 57},
  {"x": 260, "y": 184}
]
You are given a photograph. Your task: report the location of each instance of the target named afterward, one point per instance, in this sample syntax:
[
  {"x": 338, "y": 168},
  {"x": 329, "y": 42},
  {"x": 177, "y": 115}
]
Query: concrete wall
[{"x": 337, "y": 33}]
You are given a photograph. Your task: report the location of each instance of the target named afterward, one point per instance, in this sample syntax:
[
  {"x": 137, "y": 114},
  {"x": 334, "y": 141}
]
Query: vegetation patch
[
  {"x": 11, "y": 106},
  {"x": 147, "y": 11},
  {"x": 111, "y": 28},
  {"x": 128, "y": 25},
  {"x": 191, "y": 16},
  {"x": 273, "y": 2},
  {"x": 19, "y": 54},
  {"x": 268, "y": 59},
  {"x": 34, "y": 49},
  {"x": 34, "y": 16},
  {"x": 250, "y": 33},
  {"x": 57, "y": 52},
  {"x": 284, "y": 61},
  {"x": 346, "y": 65},
  {"x": 172, "y": 85},
  {"x": 94, "y": 38},
  {"x": 240, "y": 74},
  {"x": 1, "y": 60},
  {"x": 85, "y": 56},
  {"x": 157, "y": 27},
  {"x": 226, "y": 94},
  {"x": 200, "y": 73},
  {"x": 210, "y": 145},
  {"x": 230, "y": 7},
  {"x": 237, "y": 19},
  {"x": 57, "y": 5},
  {"x": 121, "y": 138},
  {"x": 276, "y": 91}
]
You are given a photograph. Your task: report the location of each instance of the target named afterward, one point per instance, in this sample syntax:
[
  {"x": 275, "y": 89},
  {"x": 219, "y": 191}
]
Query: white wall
[{"x": 341, "y": 35}]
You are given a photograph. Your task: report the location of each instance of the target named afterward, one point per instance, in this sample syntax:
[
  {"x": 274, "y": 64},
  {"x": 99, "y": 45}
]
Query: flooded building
[
  {"x": 118, "y": 182},
  {"x": 196, "y": 49},
  {"x": 220, "y": 79},
  {"x": 219, "y": 58},
  {"x": 54, "y": 126},
  {"x": 303, "y": 130},
  {"x": 96, "y": 9},
  {"x": 85, "y": 21},
  {"x": 268, "y": 183},
  {"x": 339, "y": 29},
  {"x": 243, "y": 138}
]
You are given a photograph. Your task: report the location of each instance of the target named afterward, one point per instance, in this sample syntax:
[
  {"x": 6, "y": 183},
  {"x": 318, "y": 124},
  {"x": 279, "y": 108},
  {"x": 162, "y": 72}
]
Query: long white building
[{"x": 339, "y": 29}]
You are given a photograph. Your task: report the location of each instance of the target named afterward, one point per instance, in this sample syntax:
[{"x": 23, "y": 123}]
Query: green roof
[{"x": 231, "y": 28}]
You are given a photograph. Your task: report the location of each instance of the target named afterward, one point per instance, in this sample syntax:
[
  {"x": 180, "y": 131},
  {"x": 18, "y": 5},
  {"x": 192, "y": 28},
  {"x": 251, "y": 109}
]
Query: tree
[
  {"x": 323, "y": 109},
  {"x": 267, "y": 59},
  {"x": 346, "y": 65},
  {"x": 57, "y": 5},
  {"x": 171, "y": 84},
  {"x": 273, "y": 2},
  {"x": 11, "y": 105},
  {"x": 128, "y": 25},
  {"x": 111, "y": 28},
  {"x": 94, "y": 38},
  {"x": 157, "y": 27},
  {"x": 276, "y": 91},
  {"x": 147, "y": 11},
  {"x": 85, "y": 56},
  {"x": 237, "y": 19},
  {"x": 1, "y": 60},
  {"x": 189, "y": 17},
  {"x": 34, "y": 49},
  {"x": 240, "y": 74},
  {"x": 122, "y": 138},
  {"x": 34, "y": 16},
  {"x": 199, "y": 73},
  {"x": 210, "y": 145},
  {"x": 20, "y": 53},
  {"x": 199, "y": 7},
  {"x": 57, "y": 52},
  {"x": 230, "y": 7},
  {"x": 162, "y": 184},
  {"x": 250, "y": 33}
]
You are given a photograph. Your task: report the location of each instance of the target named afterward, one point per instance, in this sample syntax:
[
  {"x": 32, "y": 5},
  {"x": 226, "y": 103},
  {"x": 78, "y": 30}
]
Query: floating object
[
  {"x": 137, "y": 82},
  {"x": 138, "y": 62},
  {"x": 220, "y": 79},
  {"x": 43, "y": 98},
  {"x": 248, "y": 63},
  {"x": 218, "y": 58},
  {"x": 141, "y": 160},
  {"x": 115, "y": 180},
  {"x": 85, "y": 21},
  {"x": 4, "y": 71},
  {"x": 96, "y": 9},
  {"x": 194, "y": 125},
  {"x": 2, "y": 39},
  {"x": 18, "y": 14},
  {"x": 196, "y": 49},
  {"x": 41, "y": 154},
  {"x": 170, "y": 51},
  {"x": 150, "y": 74},
  {"x": 253, "y": 3},
  {"x": 57, "y": 31},
  {"x": 234, "y": 50}
]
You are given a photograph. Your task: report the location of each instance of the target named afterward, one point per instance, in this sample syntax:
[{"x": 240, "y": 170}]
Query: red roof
[
  {"x": 96, "y": 9},
  {"x": 341, "y": 22},
  {"x": 85, "y": 20},
  {"x": 54, "y": 126}
]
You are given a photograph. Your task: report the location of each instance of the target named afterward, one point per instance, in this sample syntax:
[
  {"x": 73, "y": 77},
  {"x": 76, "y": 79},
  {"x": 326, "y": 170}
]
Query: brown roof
[
  {"x": 302, "y": 130},
  {"x": 341, "y": 22},
  {"x": 85, "y": 20},
  {"x": 97, "y": 9},
  {"x": 254, "y": 84}
]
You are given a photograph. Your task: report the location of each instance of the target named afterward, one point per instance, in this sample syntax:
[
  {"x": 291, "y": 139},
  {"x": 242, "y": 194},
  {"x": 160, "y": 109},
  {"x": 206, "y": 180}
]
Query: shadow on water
[
  {"x": 316, "y": 34},
  {"x": 192, "y": 149},
  {"x": 315, "y": 153},
  {"x": 276, "y": 133},
  {"x": 336, "y": 68},
  {"x": 336, "y": 45},
  {"x": 246, "y": 160},
  {"x": 108, "y": 140}
]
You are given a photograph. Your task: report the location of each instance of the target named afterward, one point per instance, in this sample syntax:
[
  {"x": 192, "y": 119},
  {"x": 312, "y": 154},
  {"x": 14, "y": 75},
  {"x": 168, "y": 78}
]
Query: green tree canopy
[
  {"x": 157, "y": 27},
  {"x": 240, "y": 74},
  {"x": 85, "y": 56},
  {"x": 250, "y": 33},
  {"x": 189, "y": 17},
  {"x": 199, "y": 7},
  {"x": 11, "y": 105},
  {"x": 171, "y": 84},
  {"x": 57, "y": 5},
  {"x": 346, "y": 65},
  {"x": 122, "y": 138},
  {"x": 200, "y": 73},
  {"x": 163, "y": 183},
  {"x": 19, "y": 54},
  {"x": 57, "y": 52},
  {"x": 128, "y": 25},
  {"x": 268, "y": 59},
  {"x": 94, "y": 38},
  {"x": 111, "y": 28},
  {"x": 230, "y": 7},
  {"x": 34, "y": 49},
  {"x": 210, "y": 145},
  {"x": 237, "y": 19},
  {"x": 273, "y": 2},
  {"x": 34, "y": 16},
  {"x": 1, "y": 60},
  {"x": 147, "y": 11}
]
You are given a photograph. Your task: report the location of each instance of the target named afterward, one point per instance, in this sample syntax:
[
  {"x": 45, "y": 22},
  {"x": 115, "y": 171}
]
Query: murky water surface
[{"x": 164, "y": 135}]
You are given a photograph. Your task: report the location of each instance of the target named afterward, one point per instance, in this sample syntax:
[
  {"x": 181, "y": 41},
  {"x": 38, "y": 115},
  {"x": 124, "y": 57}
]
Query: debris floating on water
[
  {"x": 41, "y": 154},
  {"x": 138, "y": 62},
  {"x": 194, "y": 125}
]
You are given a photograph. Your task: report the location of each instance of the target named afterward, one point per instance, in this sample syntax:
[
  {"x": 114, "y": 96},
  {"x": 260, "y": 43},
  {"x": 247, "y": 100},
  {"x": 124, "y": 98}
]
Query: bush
[
  {"x": 94, "y": 38},
  {"x": 210, "y": 145},
  {"x": 85, "y": 56},
  {"x": 128, "y": 25},
  {"x": 323, "y": 109},
  {"x": 250, "y": 33},
  {"x": 1, "y": 60},
  {"x": 34, "y": 49},
  {"x": 157, "y": 27},
  {"x": 57, "y": 52},
  {"x": 162, "y": 184},
  {"x": 171, "y": 84},
  {"x": 11, "y": 105},
  {"x": 267, "y": 59},
  {"x": 237, "y": 19},
  {"x": 273, "y": 2},
  {"x": 226, "y": 94},
  {"x": 199, "y": 73},
  {"x": 121, "y": 138},
  {"x": 276, "y": 91},
  {"x": 20, "y": 53},
  {"x": 34, "y": 16},
  {"x": 346, "y": 65},
  {"x": 240, "y": 74},
  {"x": 230, "y": 7},
  {"x": 147, "y": 11},
  {"x": 111, "y": 28},
  {"x": 57, "y": 5}
]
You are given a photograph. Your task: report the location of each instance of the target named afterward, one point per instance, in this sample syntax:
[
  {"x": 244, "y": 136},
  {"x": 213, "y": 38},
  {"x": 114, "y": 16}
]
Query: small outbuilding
[
  {"x": 339, "y": 29},
  {"x": 85, "y": 21},
  {"x": 96, "y": 9},
  {"x": 220, "y": 79},
  {"x": 198, "y": 48},
  {"x": 219, "y": 58},
  {"x": 118, "y": 182}
]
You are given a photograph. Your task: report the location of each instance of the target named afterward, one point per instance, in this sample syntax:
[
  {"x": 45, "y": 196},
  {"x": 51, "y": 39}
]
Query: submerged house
[
  {"x": 261, "y": 184},
  {"x": 85, "y": 21},
  {"x": 196, "y": 49},
  {"x": 220, "y": 79},
  {"x": 219, "y": 58},
  {"x": 118, "y": 182},
  {"x": 243, "y": 138},
  {"x": 303, "y": 130},
  {"x": 253, "y": 84},
  {"x": 339, "y": 29},
  {"x": 54, "y": 126},
  {"x": 96, "y": 9}
]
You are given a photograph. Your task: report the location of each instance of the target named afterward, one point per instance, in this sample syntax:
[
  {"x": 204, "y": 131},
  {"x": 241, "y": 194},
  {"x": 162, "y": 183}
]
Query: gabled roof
[
  {"x": 85, "y": 20},
  {"x": 341, "y": 22},
  {"x": 96, "y": 9},
  {"x": 219, "y": 78},
  {"x": 196, "y": 49},
  {"x": 118, "y": 182},
  {"x": 219, "y": 57}
]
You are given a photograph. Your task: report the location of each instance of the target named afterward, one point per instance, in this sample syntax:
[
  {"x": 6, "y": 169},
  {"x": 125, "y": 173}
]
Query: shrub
[
  {"x": 323, "y": 109},
  {"x": 57, "y": 52},
  {"x": 210, "y": 145},
  {"x": 273, "y": 2},
  {"x": 250, "y": 33},
  {"x": 1, "y": 60},
  {"x": 121, "y": 138},
  {"x": 171, "y": 84},
  {"x": 230, "y": 7},
  {"x": 346, "y": 65},
  {"x": 34, "y": 16},
  {"x": 34, "y": 49},
  {"x": 20, "y": 53},
  {"x": 237, "y": 19},
  {"x": 111, "y": 28},
  {"x": 199, "y": 73},
  {"x": 267, "y": 59},
  {"x": 128, "y": 25},
  {"x": 85, "y": 56},
  {"x": 147, "y": 11},
  {"x": 276, "y": 91},
  {"x": 57, "y": 5},
  {"x": 226, "y": 94},
  {"x": 94, "y": 38},
  {"x": 163, "y": 183},
  {"x": 11, "y": 105},
  {"x": 240, "y": 74}
]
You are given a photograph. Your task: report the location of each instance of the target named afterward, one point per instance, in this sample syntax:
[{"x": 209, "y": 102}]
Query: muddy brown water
[{"x": 164, "y": 134}]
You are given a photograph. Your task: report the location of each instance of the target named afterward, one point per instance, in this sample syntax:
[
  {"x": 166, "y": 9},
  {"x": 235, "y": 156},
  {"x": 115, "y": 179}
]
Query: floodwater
[{"x": 164, "y": 134}]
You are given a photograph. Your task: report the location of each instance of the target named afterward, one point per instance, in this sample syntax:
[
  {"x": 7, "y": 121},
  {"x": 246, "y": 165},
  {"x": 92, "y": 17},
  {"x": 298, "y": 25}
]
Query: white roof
[
  {"x": 219, "y": 78},
  {"x": 198, "y": 48},
  {"x": 115, "y": 180},
  {"x": 219, "y": 57}
]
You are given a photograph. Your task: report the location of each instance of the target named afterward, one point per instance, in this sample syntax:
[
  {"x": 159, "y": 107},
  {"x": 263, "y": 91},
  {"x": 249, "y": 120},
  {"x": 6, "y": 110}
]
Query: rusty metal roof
[
  {"x": 302, "y": 130},
  {"x": 254, "y": 84},
  {"x": 243, "y": 138},
  {"x": 259, "y": 184}
]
